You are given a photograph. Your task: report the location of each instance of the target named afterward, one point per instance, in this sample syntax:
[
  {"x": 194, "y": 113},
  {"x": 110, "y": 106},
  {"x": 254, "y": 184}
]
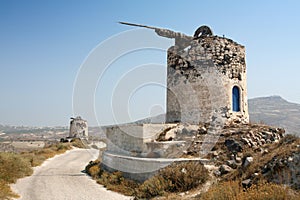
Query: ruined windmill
[
  {"x": 206, "y": 77},
  {"x": 206, "y": 84},
  {"x": 78, "y": 128}
]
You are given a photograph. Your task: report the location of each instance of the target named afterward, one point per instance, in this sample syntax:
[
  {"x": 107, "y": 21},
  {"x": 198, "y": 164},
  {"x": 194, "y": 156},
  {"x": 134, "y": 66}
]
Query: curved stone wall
[
  {"x": 137, "y": 168},
  {"x": 200, "y": 80}
]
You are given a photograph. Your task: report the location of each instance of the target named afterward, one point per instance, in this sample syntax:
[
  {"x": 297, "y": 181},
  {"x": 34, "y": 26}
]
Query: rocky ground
[{"x": 245, "y": 152}]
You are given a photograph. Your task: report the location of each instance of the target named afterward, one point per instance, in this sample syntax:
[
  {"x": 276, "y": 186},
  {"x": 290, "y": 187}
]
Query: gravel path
[{"x": 60, "y": 178}]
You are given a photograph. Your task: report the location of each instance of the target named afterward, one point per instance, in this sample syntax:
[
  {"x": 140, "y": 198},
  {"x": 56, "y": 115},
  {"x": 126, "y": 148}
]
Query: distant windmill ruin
[{"x": 78, "y": 128}]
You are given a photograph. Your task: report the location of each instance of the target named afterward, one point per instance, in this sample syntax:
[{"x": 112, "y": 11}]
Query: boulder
[
  {"x": 217, "y": 173},
  {"x": 245, "y": 141},
  {"x": 215, "y": 153},
  {"x": 231, "y": 163},
  {"x": 247, "y": 161},
  {"x": 224, "y": 169},
  {"x": 238, "y": 159},
  {"x": 265, "y": 151},
  {"x": 202, "y": 130},
  {"x": 290, "y": 159},
  {"x": 170, "y": 135},
  {"x": 233, "y": 146},
  {"x": 190, "y": 129},
  {"x": 246, "y": 183},
  {"x": 267, "y": 135}
]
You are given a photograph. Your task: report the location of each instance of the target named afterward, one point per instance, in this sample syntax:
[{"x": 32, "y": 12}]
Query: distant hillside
[
  {"x": 276, "y": 111},
  {"x": 273, "y": 110},
  {"x": 156, "y": 119}
]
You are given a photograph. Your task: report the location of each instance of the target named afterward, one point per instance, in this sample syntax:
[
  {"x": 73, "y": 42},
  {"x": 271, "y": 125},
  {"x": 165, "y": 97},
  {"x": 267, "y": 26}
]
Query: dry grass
[
  {"x": 155, "y": 186},
  {"x": 37, "y": 157},
  {"x": 93, "y": 169},
  {"x": 177, "y": 177},
  {"x": 116, "y": 182},
  {"x": 76, "y": 142},
  {"x": 185, "y": 175},
  {"x": 5, "y": 191},
  {"x": 112, "y": 181},
  {"x": 12, "y": 167},
  {"x": 283, "y": 149},
  {"x": 232, "y": 190}
]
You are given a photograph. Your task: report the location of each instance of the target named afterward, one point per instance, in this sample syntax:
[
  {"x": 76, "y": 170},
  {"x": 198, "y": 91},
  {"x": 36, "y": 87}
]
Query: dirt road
[{"x": 60, "y": 178}]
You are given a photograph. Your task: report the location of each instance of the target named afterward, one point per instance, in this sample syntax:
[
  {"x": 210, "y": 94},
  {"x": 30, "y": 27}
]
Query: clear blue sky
[{"x": 44, "y": 43}]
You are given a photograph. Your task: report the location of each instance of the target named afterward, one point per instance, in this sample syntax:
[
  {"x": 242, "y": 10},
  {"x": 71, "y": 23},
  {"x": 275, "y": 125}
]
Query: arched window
[{"x": 236, "y": 99}]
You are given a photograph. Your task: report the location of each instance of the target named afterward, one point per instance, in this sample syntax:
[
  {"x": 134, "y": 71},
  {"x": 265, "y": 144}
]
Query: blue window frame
[{"x": 236, "y": 99}]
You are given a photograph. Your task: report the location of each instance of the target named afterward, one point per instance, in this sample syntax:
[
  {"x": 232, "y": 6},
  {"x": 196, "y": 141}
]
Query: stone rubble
[
  {"x": 247, "y": 161},
  {"x": 284, "y": 170},
  {"x": 224, "y": 169}
]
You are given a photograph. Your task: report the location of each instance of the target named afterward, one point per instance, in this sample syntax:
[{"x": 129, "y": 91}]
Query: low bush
[
  {"x": 184, "y": 176},
  {"x": 223, "y": 191},
  {"x": 112, "y": 181},
  {"x": 116, "y": 182},
  {"x": 76, "y": 142},
  {"x": 93, "y": 169},
  {"x": 155, "y": 186},
  {"x": 177, "y": 177}
]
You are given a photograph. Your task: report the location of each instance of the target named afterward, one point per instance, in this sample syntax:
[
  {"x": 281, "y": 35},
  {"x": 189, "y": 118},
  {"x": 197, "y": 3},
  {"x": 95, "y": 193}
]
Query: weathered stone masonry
[{"x": 201, "y": 76}]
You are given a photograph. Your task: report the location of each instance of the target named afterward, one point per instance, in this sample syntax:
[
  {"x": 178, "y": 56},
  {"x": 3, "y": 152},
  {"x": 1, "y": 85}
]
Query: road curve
[{"x": 60, "y": 178}]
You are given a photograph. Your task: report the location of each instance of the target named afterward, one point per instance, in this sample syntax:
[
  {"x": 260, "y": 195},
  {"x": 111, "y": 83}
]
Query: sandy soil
[{"x": 60, "y": 178}]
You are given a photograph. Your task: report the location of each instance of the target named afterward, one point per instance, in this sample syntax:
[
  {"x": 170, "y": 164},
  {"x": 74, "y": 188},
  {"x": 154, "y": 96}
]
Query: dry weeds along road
[{"x": 60, "y": 178}]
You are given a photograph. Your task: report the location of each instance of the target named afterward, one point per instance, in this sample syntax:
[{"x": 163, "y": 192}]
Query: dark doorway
[{"x": 236, "y": 99}]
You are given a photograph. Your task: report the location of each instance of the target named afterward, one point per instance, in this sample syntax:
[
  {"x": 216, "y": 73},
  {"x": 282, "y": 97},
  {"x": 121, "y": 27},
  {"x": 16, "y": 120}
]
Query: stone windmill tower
[{"x": 206, "y": 78}]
